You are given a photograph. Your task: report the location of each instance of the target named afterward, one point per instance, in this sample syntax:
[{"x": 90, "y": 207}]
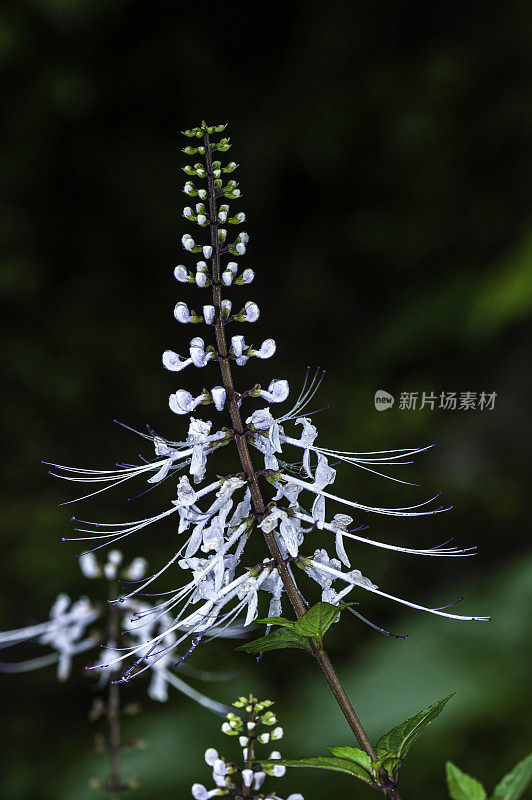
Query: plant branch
[{"x": 319, "y": 653}]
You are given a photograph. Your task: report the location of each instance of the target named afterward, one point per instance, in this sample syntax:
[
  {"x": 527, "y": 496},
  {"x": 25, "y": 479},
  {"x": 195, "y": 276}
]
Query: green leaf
[
  {"x": 287, "y": 623},
  {"x": 462, "y": 786},
  {"x": 353, "y": 754},
  {"x": 318, "y": 619},
  {"x": 276, "y": 640},
  {"x": 334, "y": 764},
  {"x": 399, "y": 740},
  {"x": 514, "y": 784}
]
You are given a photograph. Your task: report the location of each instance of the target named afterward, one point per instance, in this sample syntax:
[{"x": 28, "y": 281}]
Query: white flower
[
  {"x": 340, "y": 523},
  {"x": 186, "y": 496},
  {"x": 182, "y": 402},
  {"x": 197, "y": 352},
  {"x": 64, "y": 633},
  {"x": 198, "y": 436},
  {"x": 199, "y": 792},
  {"x": 308, "y": 436},
  {"x": 277, "y": 391},
  {"x": 207, "y": 251},
  {"x": 173, "y": 362},
  {"x": 266, "y": 350}
]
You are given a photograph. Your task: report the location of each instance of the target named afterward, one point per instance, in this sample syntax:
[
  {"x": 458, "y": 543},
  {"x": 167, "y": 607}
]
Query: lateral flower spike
[
  {"x": 229, "y": 778},
  {"x": 284, "y": 501}
]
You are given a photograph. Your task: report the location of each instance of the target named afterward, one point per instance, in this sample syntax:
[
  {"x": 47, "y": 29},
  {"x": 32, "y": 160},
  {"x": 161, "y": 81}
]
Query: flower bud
[
  {"x": 259, "y": 780},
  {"x": 227, "y": 277},
  {"x": 207, "y": 251},
  {"x": 247, "y": 276},
  {"x": 243, "y": 741},
  {"x": 226, "y": 308},
  {"x": 277, "y": 733},
  {"x": 202, "y": 219},
  {"x": 137, "y": 569},
  {"x": 187, "y": 212},
  {"x": 181, "y": 312},
  {"x": 238, "y": 344},
  {"x": 210, "y": 756},
  {"x": 247, "y": 777},
  {"x": 201, "y": 279},
  {"x": 208, "y": 314},
  {"x": 218, "y": 395},
  {"x": 109, "y": 571},
  {"x": 219, "y": 767},
  {"x": 202, "y": 193},
  {"x": 240, "y": 248},
  {"x": 250, "y": 312},
  {"x": 181, "y": 273},
  {"x": 278, "y": 771},
  {"x": 264, "y": 738},
  {"x": 188, "y": 242},
  {"x": 89, "y": 565}
]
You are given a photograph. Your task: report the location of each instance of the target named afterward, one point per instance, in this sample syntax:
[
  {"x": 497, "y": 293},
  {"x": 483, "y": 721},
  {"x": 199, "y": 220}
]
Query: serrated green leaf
[
  {"x": 354, "y": 754},
  {"x": 318, "y": 619},
  {"x": 334, "y": 764},
  {"x": 514, "y": 784},
  {"x": 462, "y": 786},
  {"x": 287, "y": 623},
  {"x": 276, "y": 640},
  {"x": 399, "y": 740}
]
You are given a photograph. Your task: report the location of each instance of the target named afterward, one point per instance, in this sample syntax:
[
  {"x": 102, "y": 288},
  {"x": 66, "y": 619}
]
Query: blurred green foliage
[{"x": 385, "y": 168}]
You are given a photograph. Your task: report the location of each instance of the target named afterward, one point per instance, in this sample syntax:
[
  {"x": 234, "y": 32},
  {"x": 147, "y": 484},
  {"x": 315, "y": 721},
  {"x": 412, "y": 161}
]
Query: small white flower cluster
[
  {"x": 225, "y": 774},
  {"x": 220, "y": 528}
]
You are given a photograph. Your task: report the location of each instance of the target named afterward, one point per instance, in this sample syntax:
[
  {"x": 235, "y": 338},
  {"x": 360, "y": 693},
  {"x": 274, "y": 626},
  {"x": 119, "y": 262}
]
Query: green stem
[{"x": 318, "y": 652}]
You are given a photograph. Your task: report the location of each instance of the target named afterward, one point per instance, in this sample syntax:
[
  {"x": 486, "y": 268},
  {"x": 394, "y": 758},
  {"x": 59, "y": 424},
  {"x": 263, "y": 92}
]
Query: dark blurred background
[{"x": 385, "y": 169}]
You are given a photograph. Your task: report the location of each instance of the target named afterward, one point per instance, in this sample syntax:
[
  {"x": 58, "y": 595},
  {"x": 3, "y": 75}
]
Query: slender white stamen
[
  {"x": 405, "y": 511},
  {"x": 434, "y": 551},
  {"x": 341, "y": 576}
]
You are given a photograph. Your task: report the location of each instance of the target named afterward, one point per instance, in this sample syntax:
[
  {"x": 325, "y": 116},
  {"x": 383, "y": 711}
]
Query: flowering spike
[{"x": 216, "y": 519}]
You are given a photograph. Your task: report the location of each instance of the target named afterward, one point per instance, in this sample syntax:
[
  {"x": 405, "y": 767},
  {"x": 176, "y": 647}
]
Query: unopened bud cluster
[{"x": 254, "y": 724}]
